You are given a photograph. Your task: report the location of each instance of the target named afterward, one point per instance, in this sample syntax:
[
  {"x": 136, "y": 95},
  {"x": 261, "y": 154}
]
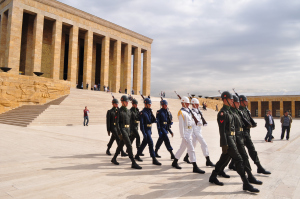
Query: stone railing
[{"x": 18, "y": 90}]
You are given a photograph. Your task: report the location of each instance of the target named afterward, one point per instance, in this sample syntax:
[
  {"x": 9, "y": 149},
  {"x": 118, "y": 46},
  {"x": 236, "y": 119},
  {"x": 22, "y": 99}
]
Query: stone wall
[
  {"x": 18, "y": 90},
  {"x": 211, "y": 103}
]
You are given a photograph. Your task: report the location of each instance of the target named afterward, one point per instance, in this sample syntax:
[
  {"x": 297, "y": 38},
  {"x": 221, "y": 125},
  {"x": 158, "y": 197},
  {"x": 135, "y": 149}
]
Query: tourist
[
  {"x": 286, "y": 122},
  {"x": 108, "y": 89},
  {"x": 86, "y": 116},
  {"x": 82, "y": 85},
  {"x": 99, "y": 87},
  {"x": 270, "y": 125},
  {"x": 125, "y": 90},
  {"x": 132, "y": 92},
  {"x": 119, "y": 90},
  {"x": 95, "y": 87}
]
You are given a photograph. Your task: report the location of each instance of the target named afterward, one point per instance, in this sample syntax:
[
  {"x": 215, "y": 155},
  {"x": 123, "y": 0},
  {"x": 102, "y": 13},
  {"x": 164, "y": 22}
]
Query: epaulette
[{"x": 180, "y": 113}]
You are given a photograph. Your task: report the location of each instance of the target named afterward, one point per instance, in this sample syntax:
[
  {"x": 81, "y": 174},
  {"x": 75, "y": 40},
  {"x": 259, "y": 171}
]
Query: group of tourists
[{"x": 234, "y": 122}]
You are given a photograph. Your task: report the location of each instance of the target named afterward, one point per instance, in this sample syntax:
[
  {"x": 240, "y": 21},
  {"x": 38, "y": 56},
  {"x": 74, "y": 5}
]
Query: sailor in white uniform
[
  {"x": 186, "y": 131},
  {"x": 197, "y": 135}
]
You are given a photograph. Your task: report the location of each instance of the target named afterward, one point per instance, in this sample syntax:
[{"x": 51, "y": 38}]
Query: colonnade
[{"x": 116, "y": 53}]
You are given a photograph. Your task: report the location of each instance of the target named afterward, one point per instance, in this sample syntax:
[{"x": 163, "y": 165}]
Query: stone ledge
[{"x": 90, "y": 17}]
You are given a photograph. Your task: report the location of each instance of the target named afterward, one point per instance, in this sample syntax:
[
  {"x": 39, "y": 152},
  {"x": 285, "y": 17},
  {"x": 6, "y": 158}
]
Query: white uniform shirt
[
  {"x": 198, "y": 116},
  {"x": 185, "y": 122}
]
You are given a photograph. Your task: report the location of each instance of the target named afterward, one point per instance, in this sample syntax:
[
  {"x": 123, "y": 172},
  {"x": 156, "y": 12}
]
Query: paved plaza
[{"x": 70, "y": 162}]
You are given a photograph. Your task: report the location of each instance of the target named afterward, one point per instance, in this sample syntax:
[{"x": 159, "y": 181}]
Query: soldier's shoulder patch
[{"x": 222, "y": 113}]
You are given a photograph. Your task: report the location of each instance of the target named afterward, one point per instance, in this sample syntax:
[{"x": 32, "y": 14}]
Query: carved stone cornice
[{"x": 90, "y": 17}]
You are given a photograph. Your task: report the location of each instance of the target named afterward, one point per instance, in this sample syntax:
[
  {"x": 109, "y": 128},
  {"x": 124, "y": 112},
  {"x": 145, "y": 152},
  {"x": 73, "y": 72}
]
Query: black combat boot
[
  {"x": 114, "y": 160},
  {"x": 156, "y": 154},
  {"x": 172, "y": 155},
  {"x": 186, "y": 158},
  {"x": 123, "y": 154},
  {"x": 196, "y": 169},
  {"x": 134, "y": 165},
  {"x": 247, "y": 186},
  {"x": 223, "y": 174},
  {"x": 209, "y": 163},
  {"x": 137, "y": 157},
  {"x": 108, "y": 152},
  {"x": 232, "y": 166},
  {"x": 260, "y": 169},
  {"x": 155, "y": 162},
  {"x": 213, "y": 179},
  {"x": 253, "y": 180},
  {"x": 175, "y": 164}
]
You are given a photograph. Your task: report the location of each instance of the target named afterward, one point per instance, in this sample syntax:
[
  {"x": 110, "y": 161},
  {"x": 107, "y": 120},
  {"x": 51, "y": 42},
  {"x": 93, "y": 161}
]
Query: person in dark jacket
[
  {"x": 123, "y": 129},
  {"x": 270, "y": 126},
  {"x": 134, "y": 123},
  {"x": 286, "y": 123},
  {"x": 146, "y": 120},
  {"x": 111, "y": 126},
  {"x": 226, "y": 121}
]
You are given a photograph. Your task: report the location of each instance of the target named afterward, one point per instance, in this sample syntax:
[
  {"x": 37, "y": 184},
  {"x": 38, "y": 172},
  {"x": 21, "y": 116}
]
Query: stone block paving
[{"x": 70, "y": 162}]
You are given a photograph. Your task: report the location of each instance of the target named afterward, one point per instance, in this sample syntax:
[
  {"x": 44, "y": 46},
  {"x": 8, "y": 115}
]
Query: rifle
[
  {"x": 253, "y": 123},
  {"x": 154, "y": 119},
  {"x": 202, "y": 118},
  {"x": 193, "y": 116}
]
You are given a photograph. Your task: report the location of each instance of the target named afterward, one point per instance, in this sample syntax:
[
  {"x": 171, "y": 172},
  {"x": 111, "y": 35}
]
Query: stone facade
[
  {"x": 17, "y": 90},
  {"x": 277, "y": 104},
  {"x": 68, "y": 44}
]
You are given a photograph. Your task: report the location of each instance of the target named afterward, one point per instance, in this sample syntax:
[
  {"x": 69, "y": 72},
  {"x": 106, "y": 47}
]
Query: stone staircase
[
  {"x": 24, "y": 115},
  {"x": 68, "y": 111}
]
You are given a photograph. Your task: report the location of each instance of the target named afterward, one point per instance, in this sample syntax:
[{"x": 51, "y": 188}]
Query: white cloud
[{"x": 205, "y": 46}]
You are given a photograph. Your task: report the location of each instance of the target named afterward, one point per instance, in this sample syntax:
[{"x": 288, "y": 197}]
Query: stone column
[
  {"x": 127, "y": 68},
  {"x": 116, "y": 66},
  {"x": 38, "y": 28},
  {"x": 29, "y": 47},
  {"x": 94, "y": 64},
  {"x": 259, "y": 108},
  {"x": 147, "y": 72},
  {"x": 249, "y": 106},
  {"x": 62, "y": 56},
  {"x": 73, "y": 50},
  {"x": 88, "y": 55},
  {"x": 281, "y": 107},
  {"x": 3, "y": 35},
  {"x": 104, "y": 62},
  {"x": 137, "y": 70},
  {"x": 13, "y": 38},
  {"x": 293, "y": 109},
  {"x": 270, "y": 106},
  {"x": 56, "y": 49}
]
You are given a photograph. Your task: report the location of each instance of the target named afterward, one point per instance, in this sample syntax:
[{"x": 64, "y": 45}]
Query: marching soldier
[
  {"x": 111, "y": 121},
  {"x": 146, "y": 120},
  {"x": 123, "y": 129},
  {"x": 163, "y": 124},
  {"x": 134, "y": 123},
  {"x": 186, "y": 131},
  {"x": 197, "y": 135},
  {"x": 239, "y": 124},
  {"x": 228, "y": 143},
  {"x": 247, "y": 138}
]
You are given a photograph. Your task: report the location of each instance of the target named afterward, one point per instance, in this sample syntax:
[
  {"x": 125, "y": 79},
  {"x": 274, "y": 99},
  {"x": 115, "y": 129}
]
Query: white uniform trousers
[
  {"x": 186, "y": 143},
  {"x": 197, "y": 136}
]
